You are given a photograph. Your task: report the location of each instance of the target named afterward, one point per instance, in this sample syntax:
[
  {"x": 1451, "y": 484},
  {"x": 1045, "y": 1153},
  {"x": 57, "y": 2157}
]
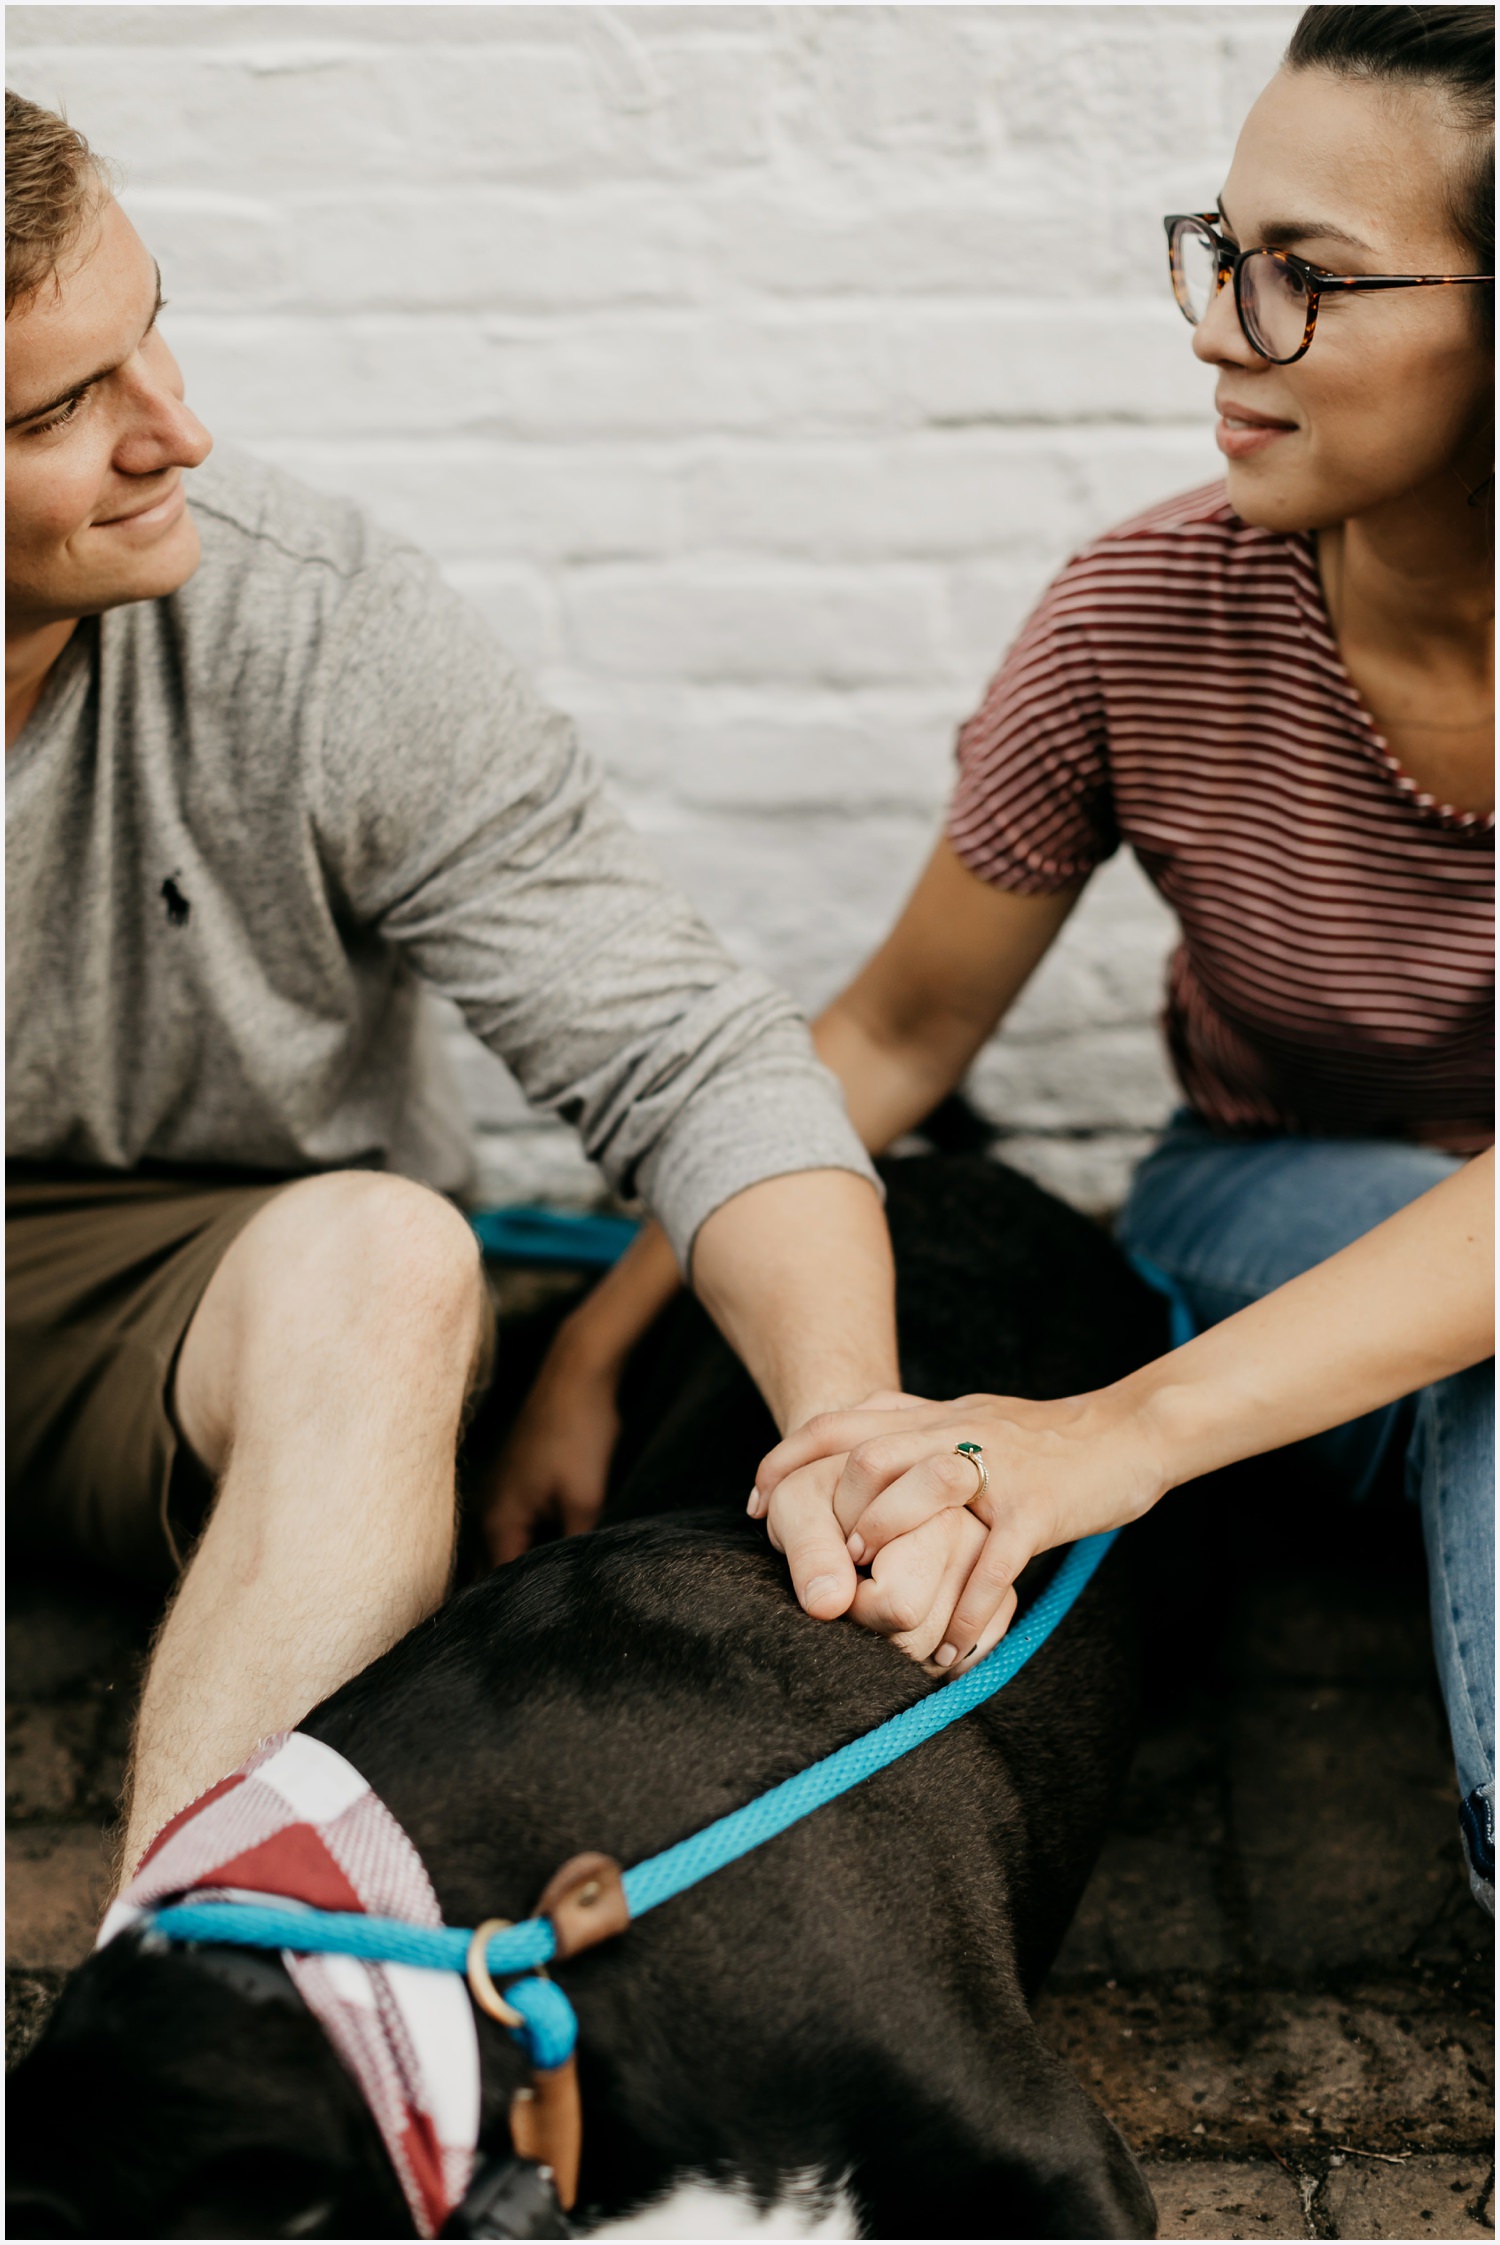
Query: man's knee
[
  {"x": 354, "y": 1264},
  {"x": 357, "y": 1250}
]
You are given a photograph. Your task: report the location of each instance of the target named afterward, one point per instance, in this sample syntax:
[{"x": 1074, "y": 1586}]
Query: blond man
[{"x": 267, "y": 778}]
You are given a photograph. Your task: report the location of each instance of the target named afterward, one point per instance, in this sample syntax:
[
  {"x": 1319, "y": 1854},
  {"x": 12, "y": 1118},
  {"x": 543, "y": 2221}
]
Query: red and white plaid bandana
[{"x": 298, "y": 1823}]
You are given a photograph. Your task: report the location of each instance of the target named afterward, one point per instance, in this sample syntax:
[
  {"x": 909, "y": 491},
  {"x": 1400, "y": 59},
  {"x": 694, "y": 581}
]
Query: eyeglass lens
[
  {"x": 1195, "y": 270},
  {"x": 1273, "y": 301},
  {"x": 1273, "y": 298}
]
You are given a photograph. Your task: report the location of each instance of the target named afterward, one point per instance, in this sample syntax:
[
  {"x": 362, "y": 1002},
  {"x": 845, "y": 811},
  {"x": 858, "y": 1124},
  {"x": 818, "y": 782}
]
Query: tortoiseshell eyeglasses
[{"x": 1275, "y": 294}]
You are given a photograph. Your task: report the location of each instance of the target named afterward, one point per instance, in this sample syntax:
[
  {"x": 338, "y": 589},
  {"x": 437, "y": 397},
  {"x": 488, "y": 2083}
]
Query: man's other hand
[{"x": 555, "y": 1465}]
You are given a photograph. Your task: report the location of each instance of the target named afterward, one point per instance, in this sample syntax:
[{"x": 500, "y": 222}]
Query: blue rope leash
[
  {"x": 1184, "y": 1325},
  {"x": 550, "y": 2029},
  {"x": 523, "y": 1233}
]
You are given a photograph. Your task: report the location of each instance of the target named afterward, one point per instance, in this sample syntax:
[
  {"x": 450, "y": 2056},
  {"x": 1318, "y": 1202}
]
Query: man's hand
[
  {"x": 805, "y": 1526},
  {"x": 555, "y": 1466}
]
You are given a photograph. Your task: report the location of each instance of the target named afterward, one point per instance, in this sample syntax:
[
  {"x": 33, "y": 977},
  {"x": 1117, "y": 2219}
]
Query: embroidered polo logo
[{"x": 179, "y": 911}]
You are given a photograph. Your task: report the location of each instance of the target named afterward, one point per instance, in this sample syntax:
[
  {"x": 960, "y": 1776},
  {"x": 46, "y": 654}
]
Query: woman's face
[{"x": 1394, "y": 393}]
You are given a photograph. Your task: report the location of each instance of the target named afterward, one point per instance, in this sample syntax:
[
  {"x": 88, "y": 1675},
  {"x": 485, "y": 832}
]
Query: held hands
[
  {"x": 880, "y": 1488},
  {"x": 876, "y": 1514}
]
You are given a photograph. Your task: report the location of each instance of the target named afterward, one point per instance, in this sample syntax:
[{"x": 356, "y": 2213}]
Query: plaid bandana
[{"x": 297, "y": 1823}]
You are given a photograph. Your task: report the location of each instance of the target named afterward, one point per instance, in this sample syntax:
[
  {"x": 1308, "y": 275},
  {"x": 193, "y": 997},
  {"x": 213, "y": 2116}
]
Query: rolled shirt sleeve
[{"x": 460, "y": 821}]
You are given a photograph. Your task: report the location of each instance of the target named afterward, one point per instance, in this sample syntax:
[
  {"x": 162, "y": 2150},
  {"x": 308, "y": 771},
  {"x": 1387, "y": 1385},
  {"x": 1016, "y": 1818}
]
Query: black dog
[{"x": 830, "y": 2036}]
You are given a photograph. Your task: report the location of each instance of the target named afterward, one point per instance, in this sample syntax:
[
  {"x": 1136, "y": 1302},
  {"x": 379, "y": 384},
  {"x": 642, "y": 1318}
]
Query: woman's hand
[
  {"x": 555, "y": 1465},
  {"x": 892, "y": 1479}
]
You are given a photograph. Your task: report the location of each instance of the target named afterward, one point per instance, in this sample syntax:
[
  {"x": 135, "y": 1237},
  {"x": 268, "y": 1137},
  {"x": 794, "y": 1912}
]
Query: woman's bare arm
[
  {"x": 1409, "y": 1303},
  {"x": 906, "y": 1029}
]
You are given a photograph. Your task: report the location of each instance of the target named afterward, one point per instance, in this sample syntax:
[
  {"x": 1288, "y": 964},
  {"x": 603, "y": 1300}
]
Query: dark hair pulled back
[{"x": 1452, "y": 49}]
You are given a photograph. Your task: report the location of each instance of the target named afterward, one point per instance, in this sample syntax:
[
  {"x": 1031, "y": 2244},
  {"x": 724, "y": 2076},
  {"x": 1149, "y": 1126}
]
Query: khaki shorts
[{"x": 103, "y": 1274}]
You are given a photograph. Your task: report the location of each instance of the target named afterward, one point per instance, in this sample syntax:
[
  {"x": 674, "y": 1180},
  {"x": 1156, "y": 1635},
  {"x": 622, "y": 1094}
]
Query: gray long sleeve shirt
[{"x": 247, "y": 822}]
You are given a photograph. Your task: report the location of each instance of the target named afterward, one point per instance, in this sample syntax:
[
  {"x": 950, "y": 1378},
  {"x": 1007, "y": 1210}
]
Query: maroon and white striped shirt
[{"x": 1179, "y": 688}]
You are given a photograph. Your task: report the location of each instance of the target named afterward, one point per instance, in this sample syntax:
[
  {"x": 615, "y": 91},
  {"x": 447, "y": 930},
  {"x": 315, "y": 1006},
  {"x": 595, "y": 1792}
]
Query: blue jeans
[{"x": 1230, "y": 1219}]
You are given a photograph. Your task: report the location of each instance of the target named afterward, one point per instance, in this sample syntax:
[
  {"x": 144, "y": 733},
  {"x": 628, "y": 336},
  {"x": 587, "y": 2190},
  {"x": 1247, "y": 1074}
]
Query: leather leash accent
[
  {"x": 585, "y": 1902},
  {"x": 546, "y": 2125}
]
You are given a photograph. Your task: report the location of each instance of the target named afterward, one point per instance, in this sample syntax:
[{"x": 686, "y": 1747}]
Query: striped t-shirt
[{"x": 1179, "y": 688}]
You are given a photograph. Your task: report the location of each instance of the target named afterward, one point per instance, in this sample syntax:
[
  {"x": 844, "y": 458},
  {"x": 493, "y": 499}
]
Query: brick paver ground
[{"x": 1278, "y": 1984}]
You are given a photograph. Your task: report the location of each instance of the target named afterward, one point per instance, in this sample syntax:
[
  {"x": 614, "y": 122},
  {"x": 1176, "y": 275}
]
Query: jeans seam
[
  {"x": 1200, "y": 1269},
  {"x": 1185, "y": 1274},
  {"x": 1433, "y": 1466}
]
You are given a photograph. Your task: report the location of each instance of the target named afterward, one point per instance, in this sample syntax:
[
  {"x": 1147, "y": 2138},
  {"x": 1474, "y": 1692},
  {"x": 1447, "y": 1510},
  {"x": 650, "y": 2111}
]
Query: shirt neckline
[
  {"x": 1308, "y": 585},
  {"x": 75, "y": 661}
]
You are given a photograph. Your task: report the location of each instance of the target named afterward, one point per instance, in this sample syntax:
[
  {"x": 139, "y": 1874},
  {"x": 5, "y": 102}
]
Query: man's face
[{"x": 96, "y": 439}]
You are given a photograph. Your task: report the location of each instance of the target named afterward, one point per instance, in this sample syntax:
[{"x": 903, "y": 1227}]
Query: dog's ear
[
  {"x": 31, "y": 2211},
  {"x": 175, "y": 2093},
  {"x": 260, "y": 2191}
]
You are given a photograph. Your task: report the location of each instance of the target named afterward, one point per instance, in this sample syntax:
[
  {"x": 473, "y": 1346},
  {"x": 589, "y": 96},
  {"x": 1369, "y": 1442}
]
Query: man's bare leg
[{"x": 323, "y": 1380}]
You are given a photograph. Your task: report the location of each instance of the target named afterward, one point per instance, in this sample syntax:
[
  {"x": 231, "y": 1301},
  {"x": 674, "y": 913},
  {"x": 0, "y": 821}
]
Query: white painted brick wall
[{"x": 750, "y": 368}]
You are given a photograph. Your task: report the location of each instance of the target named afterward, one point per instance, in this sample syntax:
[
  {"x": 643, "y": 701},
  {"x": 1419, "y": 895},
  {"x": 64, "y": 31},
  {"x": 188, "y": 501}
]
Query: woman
[{"x": 1281, "y": 696}]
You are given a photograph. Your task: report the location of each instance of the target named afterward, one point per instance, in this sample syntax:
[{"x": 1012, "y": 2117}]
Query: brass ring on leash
[
  {"x": 973, "y": 1451},
  {"x": 477, "y": 1973}
]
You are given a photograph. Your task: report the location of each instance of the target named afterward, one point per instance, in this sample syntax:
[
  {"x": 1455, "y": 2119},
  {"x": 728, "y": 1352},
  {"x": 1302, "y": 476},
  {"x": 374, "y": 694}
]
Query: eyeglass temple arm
[{"x": 1397, "y": 280}]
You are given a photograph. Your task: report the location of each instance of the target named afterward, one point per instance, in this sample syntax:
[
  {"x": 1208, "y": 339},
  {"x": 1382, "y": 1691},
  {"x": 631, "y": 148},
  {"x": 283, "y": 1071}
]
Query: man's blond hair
[{"x": 54, "y": 184}]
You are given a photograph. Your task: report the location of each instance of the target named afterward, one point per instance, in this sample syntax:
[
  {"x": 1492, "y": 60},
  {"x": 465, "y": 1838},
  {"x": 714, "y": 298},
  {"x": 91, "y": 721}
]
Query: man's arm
[
  {"x": 798, "y": 1276},
  {"x": 461, "y": 824},
  {"x": 460, "y": 821},
  {"x": 899, "y": 1037}
]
